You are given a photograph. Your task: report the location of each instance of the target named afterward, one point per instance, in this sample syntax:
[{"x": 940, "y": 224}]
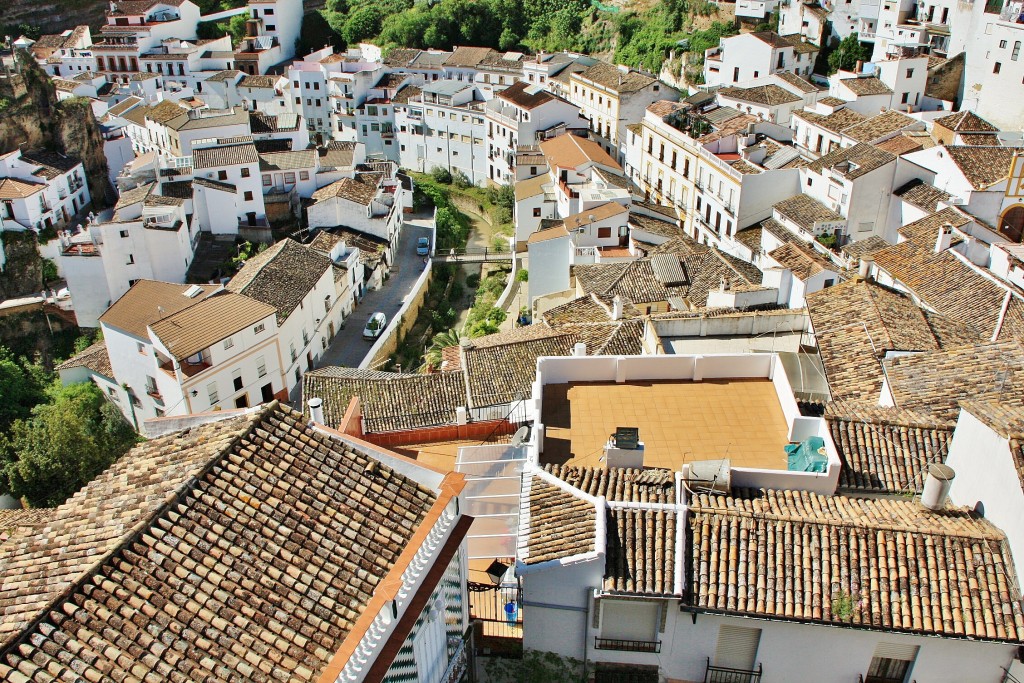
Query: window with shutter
[{"x": 737, "y": 647}]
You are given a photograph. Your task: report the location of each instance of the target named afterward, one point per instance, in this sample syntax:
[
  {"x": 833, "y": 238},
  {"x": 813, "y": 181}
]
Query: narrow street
[{"x": 349, "y": 347}]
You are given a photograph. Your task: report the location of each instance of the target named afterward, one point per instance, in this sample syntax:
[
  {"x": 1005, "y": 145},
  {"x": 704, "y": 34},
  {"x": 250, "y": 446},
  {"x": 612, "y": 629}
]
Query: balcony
[
  {"x": 721, "y": 674},
  {"x": 653, "y": 646},
  {"x": 187, "y": 369}
]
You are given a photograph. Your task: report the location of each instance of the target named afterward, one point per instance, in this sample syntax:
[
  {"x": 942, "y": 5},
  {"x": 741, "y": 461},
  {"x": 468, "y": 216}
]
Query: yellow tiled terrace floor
[{"x": 679, "y": 422}]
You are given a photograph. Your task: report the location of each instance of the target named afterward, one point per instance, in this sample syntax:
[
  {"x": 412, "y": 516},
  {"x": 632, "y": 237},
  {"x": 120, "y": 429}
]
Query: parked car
[
  {"x": 422, "y": 246},
  {"x": 375, "y": 325}
]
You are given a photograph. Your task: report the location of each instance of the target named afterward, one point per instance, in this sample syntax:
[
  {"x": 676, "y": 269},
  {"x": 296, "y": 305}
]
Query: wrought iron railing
[
  {"x": 724, "y": 674},
  {"x": 627, "y": 645}
]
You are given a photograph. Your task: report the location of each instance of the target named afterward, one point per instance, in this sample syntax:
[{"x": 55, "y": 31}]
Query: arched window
[{"x": 1012, "y": 223}]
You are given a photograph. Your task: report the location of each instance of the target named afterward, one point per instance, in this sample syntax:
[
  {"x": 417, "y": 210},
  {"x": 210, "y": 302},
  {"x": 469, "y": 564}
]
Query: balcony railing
[
  {"x": 722, "y": 674},
  {"x": 627, "y": 645},
  {"x": 879, "y": 679}
]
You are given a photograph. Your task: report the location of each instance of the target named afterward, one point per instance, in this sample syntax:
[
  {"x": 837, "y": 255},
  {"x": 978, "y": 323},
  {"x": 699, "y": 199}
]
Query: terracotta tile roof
[
  {"x": 865, "y": 247},
  {"x": 640, "y": 551},
  {"x": 866, "y": 86},
  {"x": 982, "y": 166},
  {"x": 94, "y": 357},
  {"x": 664, "y": 108},
  {"x": 400, "y": 56},
  {"x": 789, "y": 554},
  {"x": 946, "y": 282},
  {"x": 832, "y": 101},
  {"x": 281, "y": 276},
  {"x": 857, "y": 322},
  {"x": 260, "y": 123},
  {"x": 836, "y": 122},
  {"x": 22, "y": 521},
  {"x": 883, "y": 124},
  {"x": 802, "y": 84},
  {"x": 924, "y": 231},
  {"x": 225, "y": 155},
  {"x": 407, "y": 93},
  {"x": 887, "y": 454},
  {"x": 745, "y": 167},
  {"x": 805, "y": 211},
  {"x": 902, "y": 144},
  {"x": 769, "y": 95},
  {"x": 634, "y": 281},
  {"x": 250, "y": 81},
  {"x": 390, "y": 401},
  {"x": 622, "y": 338},
  {"x": 657, "y": 226},
  {"x": 966, "y": 121},
  {"x": 148, "y": 301},
  {"x": 371, "y": 248},
  {"x": 979, "y": 139},
  {"x": 52, "y": 164},
  {"x": 921, "y": 194},
  {"x": 467, "y": 56},
  {"x": 804, "y": 262},
  {"x": 210, "y": 320},
  {"x": 585, "y": 309},
  {"x": 288, "y": 161},
  {"x": 853, "y": 162},
  {"x": 559, "y": 524},
  {"x": 621, "y": 484},
  {"x": 503, "y": 373},
  {"x": 611, "y": 77},
  {"x": 526, "y": 95},
  {"x": 360, "y": 190},
  {"x": 14, "y": 188},
  {"x": 226, "y": 75},
  {"x": 937, "y": 382},
  {"x": 247, "y": 547},
  {"x": 337, "y": 154},
  {"x": 572, "y": 151}
]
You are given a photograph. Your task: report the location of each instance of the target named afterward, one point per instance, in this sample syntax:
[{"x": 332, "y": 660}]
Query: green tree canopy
[
  {"x": 849, "y": 51},
  {"x": 65, "y": 444}
]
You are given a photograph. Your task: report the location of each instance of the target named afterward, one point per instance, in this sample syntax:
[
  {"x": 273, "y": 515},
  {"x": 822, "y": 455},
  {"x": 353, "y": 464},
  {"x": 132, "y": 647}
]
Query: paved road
[{"x": 349, "y": 347}]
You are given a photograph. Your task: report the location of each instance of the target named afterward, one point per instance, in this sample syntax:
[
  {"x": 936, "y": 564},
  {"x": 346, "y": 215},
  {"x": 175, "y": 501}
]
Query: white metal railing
[{"x": 383, "y": 622}]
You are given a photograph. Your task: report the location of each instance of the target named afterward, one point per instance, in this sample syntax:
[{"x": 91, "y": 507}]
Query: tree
[
  {"x": 508, "y": 40},
  {"x": 22, "y": 385},
  {"x": 65, "y": 444},
  {"x": 440, "y": 342},
  {"x": 361, "y": 24},
  {"x": 847, "y": 54}
]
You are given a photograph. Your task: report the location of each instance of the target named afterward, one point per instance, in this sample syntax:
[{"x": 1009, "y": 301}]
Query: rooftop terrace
[{"x": 680, "y": 422}]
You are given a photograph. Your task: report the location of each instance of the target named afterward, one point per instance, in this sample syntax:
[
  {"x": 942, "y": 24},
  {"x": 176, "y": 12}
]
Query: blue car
[{"x": 422, "y": 246}]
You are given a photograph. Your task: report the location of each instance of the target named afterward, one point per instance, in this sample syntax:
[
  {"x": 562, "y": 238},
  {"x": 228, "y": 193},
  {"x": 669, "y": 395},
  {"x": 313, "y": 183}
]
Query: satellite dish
[{"x": 521, "y": 435}]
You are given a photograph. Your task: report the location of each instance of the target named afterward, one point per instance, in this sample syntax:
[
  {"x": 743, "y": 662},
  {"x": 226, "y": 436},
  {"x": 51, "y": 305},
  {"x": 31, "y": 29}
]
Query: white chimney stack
[
  {"x": 936, "y": 486},
  {"x": 945, "y": 238},
  {"x": 617, "y": 308},
  {"x": 864, "y": 267},
  {"x": 316, "y": 411},
  {"x": 579, "y": 349}
]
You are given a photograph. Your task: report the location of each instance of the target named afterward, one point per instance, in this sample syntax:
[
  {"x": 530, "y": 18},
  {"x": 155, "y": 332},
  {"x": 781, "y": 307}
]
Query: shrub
[{"x": 441, "y": 175}]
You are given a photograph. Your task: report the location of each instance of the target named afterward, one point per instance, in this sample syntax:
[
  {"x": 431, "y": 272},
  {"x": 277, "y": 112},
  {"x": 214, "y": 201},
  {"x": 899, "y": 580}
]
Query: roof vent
[
  {"x": 936, "y": 486},
  {"x": 193, "y": 291},
  {"x": 316, "y": 410}
]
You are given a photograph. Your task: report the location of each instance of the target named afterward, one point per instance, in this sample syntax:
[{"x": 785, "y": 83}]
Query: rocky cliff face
[
  {"x": 54, "y": 17},
  {"x": 37, "y": 120}
]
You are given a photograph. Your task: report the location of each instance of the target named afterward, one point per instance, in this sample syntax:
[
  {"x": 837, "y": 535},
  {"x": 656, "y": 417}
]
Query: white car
[{"x": 375, "y": 326}]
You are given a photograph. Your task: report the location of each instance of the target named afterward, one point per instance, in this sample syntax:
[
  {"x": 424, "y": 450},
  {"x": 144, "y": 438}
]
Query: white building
[
  {"x": 183, "y": 349},
  {"x": 652, "y": 574},
  {"x": 41, "y": 189},
  {"x": 228, "y": 186},
  {"x": 444, "y": 126},
  {"x": 749, "y": 56},
  {"x": 611, "y": 97},
  {"x": 148, "y": 238},
  {"x": 370, "y": 202},
  {"x": 523, "y": 115}
]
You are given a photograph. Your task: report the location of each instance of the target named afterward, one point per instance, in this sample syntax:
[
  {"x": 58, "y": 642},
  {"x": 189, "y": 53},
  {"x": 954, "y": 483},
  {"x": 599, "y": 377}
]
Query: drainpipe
[{"x": 586, "y": 631}]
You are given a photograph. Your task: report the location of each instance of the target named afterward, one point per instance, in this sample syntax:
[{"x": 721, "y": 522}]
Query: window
[
  {"x": 211, "y": 392},
  {"x": 891, "y": 663},
  {"x": 267, "y": 182},
  {"x": 131, "y": 259},
  {"x": 1016, "y": 51},
  {"x": 291, "y": 350},
  {"x": 298, "y": 100},
  {"x": 604, "y": 232},
  {"x": 303, "y": 175},
  {"x": 141, "y": 348},
  {"x": 289, "y": 178},
  {"x": 248, "y": 196},
  {"x": 910, "y": 73},
  {"x": 269, "y": 11},
  {"x": 536, "y": 213},
  {"x": 229, "y": 343},
  {"x": 997, "y": 67},
  {"x": 259, "y": 328},
  {"x": 1002, "y": 44},
  {"x": 261, "y": 366},
  {"x": 245, "y": 173},
  {"x": 905, "y": 98},
  {"x": 222, "y": 175},
  {"x": 735, "y": 74},
  {"x": 737, "y": 647},
  {"x": 124, "y": 233},
  {"x": 236, "y": 380}
]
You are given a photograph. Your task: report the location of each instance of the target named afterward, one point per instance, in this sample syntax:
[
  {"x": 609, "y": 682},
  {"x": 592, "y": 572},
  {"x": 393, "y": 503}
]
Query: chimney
[
  {"x": 945, "y": 237},
  {"x": 579, "y": 349},
  {"x": 860, "y": 66},
  {"x": 316, "y": 411},
  {"x": 936, "y": 486},
  {"x": 864, "y": 267},
  {"x": 617, "y": 308}
]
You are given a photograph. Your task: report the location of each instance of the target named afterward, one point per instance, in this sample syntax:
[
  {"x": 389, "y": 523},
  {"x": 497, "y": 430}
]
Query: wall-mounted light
[{"x": 194, "y": 393}]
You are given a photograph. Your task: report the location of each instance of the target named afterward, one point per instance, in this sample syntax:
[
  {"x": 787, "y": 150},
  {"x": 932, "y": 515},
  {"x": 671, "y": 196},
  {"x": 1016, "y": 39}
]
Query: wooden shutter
[
  {"x": 629, "y": 619},
  {"x": 906, "y": 653},
  {"x": 737, "y": 647}
]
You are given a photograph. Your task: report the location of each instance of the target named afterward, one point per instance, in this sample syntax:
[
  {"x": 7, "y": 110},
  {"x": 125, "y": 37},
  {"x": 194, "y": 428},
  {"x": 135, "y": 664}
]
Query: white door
[{"x": 430, "y": 647}]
